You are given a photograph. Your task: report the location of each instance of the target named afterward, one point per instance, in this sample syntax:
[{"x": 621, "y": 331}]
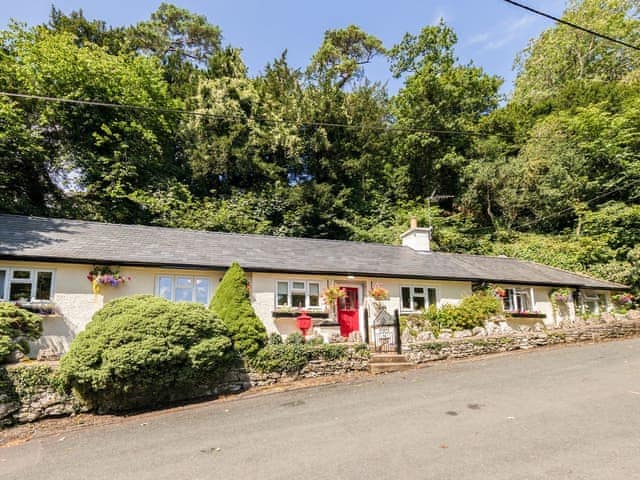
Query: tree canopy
[{"x": 550, "y": 173}]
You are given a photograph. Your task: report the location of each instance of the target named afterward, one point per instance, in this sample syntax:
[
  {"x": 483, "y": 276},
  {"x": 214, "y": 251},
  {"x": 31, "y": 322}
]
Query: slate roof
[{"x": 75, "y": 241}]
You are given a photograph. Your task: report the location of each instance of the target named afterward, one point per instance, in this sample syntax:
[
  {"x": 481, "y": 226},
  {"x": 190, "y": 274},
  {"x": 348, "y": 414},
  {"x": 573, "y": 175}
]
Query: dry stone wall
[
  {"x": 463, "y": 347},
  {"x": 29, "y": 396}
]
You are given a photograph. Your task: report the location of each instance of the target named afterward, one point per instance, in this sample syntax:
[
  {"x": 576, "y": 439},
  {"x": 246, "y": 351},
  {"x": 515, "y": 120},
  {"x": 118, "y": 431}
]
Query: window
[
  {"x": 592, "y": 302},
  {"x": 417, "y": 298},
  {"x": 181, "y": 288},
  {"x": 517, "y": 300},
  {"x": 297, "y": 294},
  {"x": 20, "y": 284}
]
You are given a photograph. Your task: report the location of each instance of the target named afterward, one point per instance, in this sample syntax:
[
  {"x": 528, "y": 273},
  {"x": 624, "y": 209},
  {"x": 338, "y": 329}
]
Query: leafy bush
[
  {"x": 469, "y": 313},
  {"x": 144, "y": 350},
  {"x": 232, "y": 304},
  {"x": 27, "y": 380},
  {"x": 16, "y": 325},
  {"x": 294, "y": 338},
  {"x": 293, "y": 357},
  {"x": 274, "y": 339}
]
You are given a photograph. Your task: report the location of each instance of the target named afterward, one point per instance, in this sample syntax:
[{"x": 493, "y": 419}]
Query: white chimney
[{"x": 416, "y": 238}]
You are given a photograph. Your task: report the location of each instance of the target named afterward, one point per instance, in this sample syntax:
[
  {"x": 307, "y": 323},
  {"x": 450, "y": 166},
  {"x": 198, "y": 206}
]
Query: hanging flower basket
[
  {"x": 560, "y": 295},
  {"x": 379, "y": 293},
  {"x": 105, "y": 276},
  {"x": 331, "y": 294}
]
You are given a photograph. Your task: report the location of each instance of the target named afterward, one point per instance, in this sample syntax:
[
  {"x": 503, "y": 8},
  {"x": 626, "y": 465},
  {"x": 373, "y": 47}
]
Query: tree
[
  {"x": 563, "y": 55},
  {"x": 437, "y": 94},
  {"x": 232, "y": 303},
  {"x": 342, "y": 56}
]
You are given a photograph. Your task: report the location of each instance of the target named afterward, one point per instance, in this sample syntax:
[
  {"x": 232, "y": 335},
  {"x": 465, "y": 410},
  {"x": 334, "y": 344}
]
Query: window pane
[
  {"x": 297, "y": 300},
  {"x": 406, "y": 298},
  {"x": 202, "y": 290},
  {"x": 3, "y": 278},
  {"x": 20, "y": 291},
  {"x": 184, "y": 294},
  {"x": 282, "y": 300},
  {"x": 165, "y": 286},
  {"x": 283, "y": 288},
  {"x": 297, "y": 285},
  {"x": 314, "y": 289},
  {"x": 43, "y": 285},
  {"x": 21, "y": 274},
  {"x": 314, "y": 300},
  {"x": 418, "y": 292},
  {"x": 184, "y": 282},
  {"x": 418, "y": 303},
  {"x": 432, "y": 296}
]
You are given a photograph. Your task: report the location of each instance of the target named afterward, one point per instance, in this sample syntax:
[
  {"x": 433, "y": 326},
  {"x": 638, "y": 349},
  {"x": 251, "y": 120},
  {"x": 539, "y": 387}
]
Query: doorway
[{"x": 348, "y": 308}]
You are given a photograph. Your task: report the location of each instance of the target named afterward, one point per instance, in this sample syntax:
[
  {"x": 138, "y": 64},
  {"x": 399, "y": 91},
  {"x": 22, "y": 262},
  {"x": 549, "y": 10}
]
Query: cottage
[{"x": 68, "y": 269}]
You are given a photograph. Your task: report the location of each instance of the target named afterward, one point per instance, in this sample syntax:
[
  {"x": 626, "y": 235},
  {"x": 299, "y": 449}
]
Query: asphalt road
[{"x": 569, "y": 413}]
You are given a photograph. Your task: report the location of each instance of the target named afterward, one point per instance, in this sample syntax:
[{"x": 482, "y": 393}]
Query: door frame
[{"x": 361, "y": 303}]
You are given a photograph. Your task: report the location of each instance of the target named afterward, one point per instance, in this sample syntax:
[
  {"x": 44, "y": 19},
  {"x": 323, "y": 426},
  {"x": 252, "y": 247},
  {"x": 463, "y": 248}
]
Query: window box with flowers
[{"x": 101, "y": 276}]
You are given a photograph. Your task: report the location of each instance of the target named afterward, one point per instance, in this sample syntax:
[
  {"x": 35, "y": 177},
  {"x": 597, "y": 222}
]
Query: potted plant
[{"x": 105, "y": 276}]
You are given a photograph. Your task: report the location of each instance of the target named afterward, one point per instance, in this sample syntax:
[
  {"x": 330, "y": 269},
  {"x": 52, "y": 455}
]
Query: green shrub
[
  {"x": 143, "y": 350},
  {"x": 469, "y": 313},
  {"x": 29, "y": 379},
  {"x": 293, "y": 357},
  {"x": 294, "y": 338},
  {"x": 16, "y": 325},
  {"x": 232, "y": 304},
  {"x": 275, "y": 339}
]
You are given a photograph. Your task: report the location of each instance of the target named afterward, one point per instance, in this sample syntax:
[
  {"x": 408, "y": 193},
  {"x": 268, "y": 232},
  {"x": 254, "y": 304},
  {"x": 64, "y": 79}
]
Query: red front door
[{"x": 348, "y": 312}]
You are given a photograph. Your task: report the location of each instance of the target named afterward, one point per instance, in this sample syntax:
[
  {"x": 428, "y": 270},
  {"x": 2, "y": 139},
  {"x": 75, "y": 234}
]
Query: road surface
[{"x": 567, "y": 413}]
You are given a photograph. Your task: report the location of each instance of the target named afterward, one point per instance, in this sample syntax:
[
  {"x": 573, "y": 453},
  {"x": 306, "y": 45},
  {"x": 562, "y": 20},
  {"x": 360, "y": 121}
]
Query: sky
[{"x": 490, "y": 32}]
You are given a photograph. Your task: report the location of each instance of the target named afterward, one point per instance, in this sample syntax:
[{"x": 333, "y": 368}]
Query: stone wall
[
  {"x": 27, "y": 394},
  {"x": 451, "y": 348},
  {"x": 241, "y": 378}
]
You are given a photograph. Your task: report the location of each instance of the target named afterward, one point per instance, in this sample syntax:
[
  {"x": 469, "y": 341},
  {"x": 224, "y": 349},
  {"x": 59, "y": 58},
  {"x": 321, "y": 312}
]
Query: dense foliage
[
  {"x": 143, "y": 350},
  {"x": 471, "y": 312},
  {"x": 323, "y": 152},
  {"x": 232, "y": 304},
  {"x": 293, "y": 355},
  {"x": 16, "y": 326}
]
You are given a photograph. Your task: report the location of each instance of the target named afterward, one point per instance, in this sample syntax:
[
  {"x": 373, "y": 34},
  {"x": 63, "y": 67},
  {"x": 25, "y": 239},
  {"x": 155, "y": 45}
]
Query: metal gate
[{"x": 385, "y": 329}]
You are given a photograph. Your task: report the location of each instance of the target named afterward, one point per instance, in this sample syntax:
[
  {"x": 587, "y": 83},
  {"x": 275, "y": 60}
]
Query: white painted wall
[{"x": 76, "y": 303}]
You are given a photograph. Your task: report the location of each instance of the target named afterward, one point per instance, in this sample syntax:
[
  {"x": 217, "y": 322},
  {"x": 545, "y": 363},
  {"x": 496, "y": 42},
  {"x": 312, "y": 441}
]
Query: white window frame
[
  {"x": 33, "y": 280},
  {"x": 513, "y": 293},
  {"x": 425, "y": 296},
  {"x": 599, "y": 300},
  {"x": 290, "y": 290},
  {"x": 193, "y": 278}
]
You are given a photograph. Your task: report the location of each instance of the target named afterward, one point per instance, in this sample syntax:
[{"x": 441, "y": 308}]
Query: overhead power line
[
  {"x": 197, "y": 113},
  {"x": 573, "y": 25}
]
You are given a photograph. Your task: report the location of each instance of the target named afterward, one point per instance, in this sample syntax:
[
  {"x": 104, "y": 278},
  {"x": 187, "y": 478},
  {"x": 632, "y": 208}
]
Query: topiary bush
[
  {"x": 232, "y": 304},
  {"x": 16, "y": 326},
  {"x": 143, "y": 350}
]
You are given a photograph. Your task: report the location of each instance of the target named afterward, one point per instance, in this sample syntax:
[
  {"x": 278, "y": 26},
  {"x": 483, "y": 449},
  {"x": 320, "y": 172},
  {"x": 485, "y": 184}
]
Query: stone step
[
  {"x": 387, "y": 358},
  {"x": 376, "y": 368}
]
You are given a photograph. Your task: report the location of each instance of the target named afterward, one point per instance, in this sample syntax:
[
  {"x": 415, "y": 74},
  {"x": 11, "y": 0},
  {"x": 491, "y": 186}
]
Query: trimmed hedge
[
  {"x": 143, "y": 350},
  {"x": 232, "y": 304},
  {"x": 16, "y": 326},
  {"x": 293, "y": 357}
]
